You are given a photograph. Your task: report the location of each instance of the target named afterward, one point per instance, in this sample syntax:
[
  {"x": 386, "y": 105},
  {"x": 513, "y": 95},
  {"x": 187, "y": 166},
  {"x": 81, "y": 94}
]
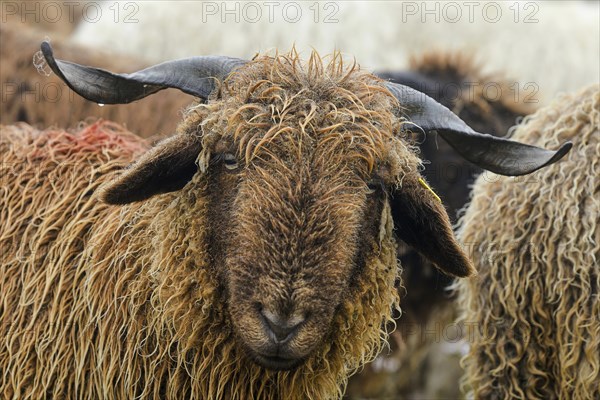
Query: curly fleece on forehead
[{"x": 277, "y": 103}]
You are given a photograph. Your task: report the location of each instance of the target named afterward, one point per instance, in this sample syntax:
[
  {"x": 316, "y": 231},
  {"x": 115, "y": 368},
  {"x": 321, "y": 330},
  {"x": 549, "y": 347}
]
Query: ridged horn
[
  {"x": 194, "y": 75},
  {"x": 499, "y": 155}
]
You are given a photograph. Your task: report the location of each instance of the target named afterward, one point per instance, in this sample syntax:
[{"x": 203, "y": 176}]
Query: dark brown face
[
  {"x": 303, "y": 173},
  {"x": 288, "y": 234}
]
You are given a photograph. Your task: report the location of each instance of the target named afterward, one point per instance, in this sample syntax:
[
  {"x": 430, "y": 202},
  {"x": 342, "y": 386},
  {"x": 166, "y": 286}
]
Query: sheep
[
  {"x": 456, "y": 80},
  {"x": 533, "y": 309},
  {"x": 29, "y": 96},
  {"x": 459, "y": 80},
  {"x": 251, "y": 255},
  {"x": 390, "y": 32}
]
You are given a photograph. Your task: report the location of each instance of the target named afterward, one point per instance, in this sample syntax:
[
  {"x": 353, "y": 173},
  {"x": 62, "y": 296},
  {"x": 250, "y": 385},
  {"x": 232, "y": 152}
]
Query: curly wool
[
  {"x": 106, "y": 302},
  {"x": 534, "y": 306},
  {"x": 418, "y": 355}
]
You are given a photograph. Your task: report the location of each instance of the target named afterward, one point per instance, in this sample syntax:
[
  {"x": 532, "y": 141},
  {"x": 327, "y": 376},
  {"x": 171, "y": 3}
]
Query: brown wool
[
  {"x": 487, "y": 103},
  {"x": 535, "y": 300},
  {"x": 44, "y": 101},
  {"x": 122, "y": 302}
]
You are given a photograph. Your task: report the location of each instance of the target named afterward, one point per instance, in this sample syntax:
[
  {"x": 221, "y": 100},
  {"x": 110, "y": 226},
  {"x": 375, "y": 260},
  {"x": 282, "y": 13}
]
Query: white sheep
[{"x": 546, "y": 47}]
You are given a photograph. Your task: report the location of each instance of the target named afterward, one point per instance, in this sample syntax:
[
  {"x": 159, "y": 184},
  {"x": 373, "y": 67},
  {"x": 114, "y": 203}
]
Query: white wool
[{"x": 554, "y": 45}]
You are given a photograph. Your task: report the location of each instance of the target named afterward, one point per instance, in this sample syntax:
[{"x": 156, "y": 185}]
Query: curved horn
[
  {"x": 194, "y": 75},
  {"x": 499, "y": 155},
  {"x": 414, "y": 80}
]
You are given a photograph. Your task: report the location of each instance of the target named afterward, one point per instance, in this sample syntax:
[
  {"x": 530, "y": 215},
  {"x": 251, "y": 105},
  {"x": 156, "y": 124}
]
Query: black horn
[
  {"x": 194, "y": 75},
  {"x": 499, "y": 155}
]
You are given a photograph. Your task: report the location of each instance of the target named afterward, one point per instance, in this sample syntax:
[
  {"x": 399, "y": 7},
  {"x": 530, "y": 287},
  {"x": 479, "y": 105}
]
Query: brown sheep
[
  {"x": 450, "y": 176},
  {"x": 57, "y": 17},
  {"x": 533, "y": 311},
  {"x": 252, "y": 255},
  {"x": 32, "y": 97},
  {"x": 428, "y": 307}
]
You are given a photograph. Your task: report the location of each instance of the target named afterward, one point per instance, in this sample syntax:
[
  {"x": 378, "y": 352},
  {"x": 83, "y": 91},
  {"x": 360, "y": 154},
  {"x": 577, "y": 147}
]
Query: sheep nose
[{"x": 281, "y": 329}]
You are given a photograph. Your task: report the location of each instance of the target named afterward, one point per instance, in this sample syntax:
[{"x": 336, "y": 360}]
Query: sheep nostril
[{"x": 281, "y": 329}]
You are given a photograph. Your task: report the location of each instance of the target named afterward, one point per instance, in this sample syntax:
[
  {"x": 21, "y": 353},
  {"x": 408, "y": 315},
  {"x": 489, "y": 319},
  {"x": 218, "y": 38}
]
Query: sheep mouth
[{"x": 277, "y": 363}]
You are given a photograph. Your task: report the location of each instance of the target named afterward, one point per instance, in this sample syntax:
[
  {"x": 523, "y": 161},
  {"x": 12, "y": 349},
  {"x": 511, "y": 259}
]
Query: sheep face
[
  {"x": 289, "y": 235},
  {"x": 297, "y": 167},
  {"x": 297, "y": 195}
]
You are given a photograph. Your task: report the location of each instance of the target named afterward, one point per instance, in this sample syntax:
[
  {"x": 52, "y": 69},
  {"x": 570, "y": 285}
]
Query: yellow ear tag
[{"x": 426, "y": 186}]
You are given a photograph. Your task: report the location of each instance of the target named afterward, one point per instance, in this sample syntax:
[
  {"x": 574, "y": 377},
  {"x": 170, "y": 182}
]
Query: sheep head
[{"x": 304, "y": 169}]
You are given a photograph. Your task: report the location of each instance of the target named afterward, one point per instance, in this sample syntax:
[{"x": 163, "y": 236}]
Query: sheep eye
[
  {"x": 373, "y": 186},
  {"x": 230, "y": 161}
]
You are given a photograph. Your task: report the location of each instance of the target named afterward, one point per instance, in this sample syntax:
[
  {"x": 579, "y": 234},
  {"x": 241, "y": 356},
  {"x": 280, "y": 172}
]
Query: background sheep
[
  {"x": 424, "y": 360},
  {"x": 277, "y": 171},
  {"x": 460, "y": 79},
  {"x": 533, "y": 309},
  {"x": 30, "y": 96},
  {"x": 509, "y": 36}
]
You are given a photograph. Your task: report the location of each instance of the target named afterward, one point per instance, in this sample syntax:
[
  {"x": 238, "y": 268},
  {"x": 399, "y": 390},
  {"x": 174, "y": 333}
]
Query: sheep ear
[
  {"x": 421, "y": 221},
  {"x": 165, "y": 168}
]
